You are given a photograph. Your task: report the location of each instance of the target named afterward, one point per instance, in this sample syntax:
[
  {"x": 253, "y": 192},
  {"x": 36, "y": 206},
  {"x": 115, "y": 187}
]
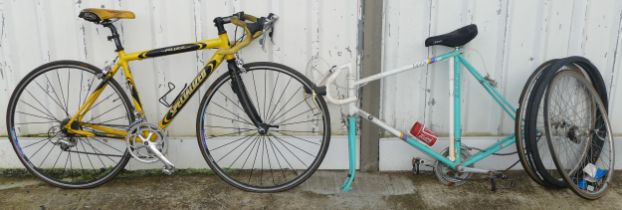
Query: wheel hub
[
  {"x": 264, "y": 128},
  {"x": 573, "y": 134}
]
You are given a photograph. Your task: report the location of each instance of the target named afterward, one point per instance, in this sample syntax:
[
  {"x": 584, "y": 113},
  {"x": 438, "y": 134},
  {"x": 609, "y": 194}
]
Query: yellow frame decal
[{"x": 221, "y": 43}]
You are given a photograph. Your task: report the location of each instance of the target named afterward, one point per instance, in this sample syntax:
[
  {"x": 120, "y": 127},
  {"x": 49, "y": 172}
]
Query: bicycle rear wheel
[
  {"x": 264, "y": 161},
  {"x": 41, "y": 106},
  {"x": 579, "y": 133}
]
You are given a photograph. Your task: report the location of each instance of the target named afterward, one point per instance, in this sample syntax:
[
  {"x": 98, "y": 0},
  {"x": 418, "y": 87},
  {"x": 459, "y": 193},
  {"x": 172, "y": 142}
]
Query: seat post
[{"x": 114, "y": 36}]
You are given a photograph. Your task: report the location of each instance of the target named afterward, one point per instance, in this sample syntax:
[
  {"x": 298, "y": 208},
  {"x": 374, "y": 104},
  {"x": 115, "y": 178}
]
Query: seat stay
[{"x": 90, "y": 101}]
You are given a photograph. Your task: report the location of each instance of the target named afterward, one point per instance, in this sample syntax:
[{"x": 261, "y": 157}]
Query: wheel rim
[
  {"x": 580, "y": 140},
  {"x": 544, "y": 163},
  {"x": 521, "y": 144},
  {"x": 279, "y": 158},
  {"x": 44, "y": 147},
  {"x": 537, "y": 151}
]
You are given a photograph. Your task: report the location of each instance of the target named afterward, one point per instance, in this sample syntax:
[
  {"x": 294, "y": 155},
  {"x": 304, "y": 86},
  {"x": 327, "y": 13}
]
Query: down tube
[
  {"x": 412, "y": 141},
  {"x": 189, "y": 91}
]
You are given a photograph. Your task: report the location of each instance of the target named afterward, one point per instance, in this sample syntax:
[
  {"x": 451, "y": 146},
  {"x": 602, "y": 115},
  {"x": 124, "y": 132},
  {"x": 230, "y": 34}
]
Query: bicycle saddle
[
  {"x": 455, "y": 38},
  {"x": 100, "y": 15}
]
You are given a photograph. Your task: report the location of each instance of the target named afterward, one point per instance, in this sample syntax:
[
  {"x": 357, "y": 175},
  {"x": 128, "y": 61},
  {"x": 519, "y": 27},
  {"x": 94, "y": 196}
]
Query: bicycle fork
[
  {"x": 238, "y": 87},
  {"x": 347, "y": 185}
]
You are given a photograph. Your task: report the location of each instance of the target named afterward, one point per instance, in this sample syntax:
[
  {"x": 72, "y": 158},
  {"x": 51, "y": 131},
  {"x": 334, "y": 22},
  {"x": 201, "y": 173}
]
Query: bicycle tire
[
  {"x": 534, "y": 109},
  {"x": 569, "y": 131},
  {"x": 47, "y": 174},
  {"x": 519, "y": 126},
  {"x": 225, "y": 170}
]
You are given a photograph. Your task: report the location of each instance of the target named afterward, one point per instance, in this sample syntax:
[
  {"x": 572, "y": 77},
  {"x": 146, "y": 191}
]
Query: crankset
[
  {"x": 448, "y": 176},
  {"x": 147, "y": 143}
]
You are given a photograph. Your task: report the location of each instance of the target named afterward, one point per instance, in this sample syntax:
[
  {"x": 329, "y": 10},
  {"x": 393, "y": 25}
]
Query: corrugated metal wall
[
  {"x": 311, "y": 36},
  {"x": 514, "y": 38}
]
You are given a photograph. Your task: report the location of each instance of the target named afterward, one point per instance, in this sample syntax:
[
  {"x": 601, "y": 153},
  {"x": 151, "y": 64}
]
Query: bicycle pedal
[
  {"x": 494, "y": 184},
  {"x": 168, "y": 170},
  {"x": 416, "y": 163},
  {"x": 502, "y": 176}
]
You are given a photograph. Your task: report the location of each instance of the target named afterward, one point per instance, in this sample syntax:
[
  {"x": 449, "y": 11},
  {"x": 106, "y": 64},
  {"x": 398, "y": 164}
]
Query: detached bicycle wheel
[
  {"x": 520, "y": 129},
  {"x": 537, "y": 151},
  {"x": 40, "y": 108},
  {"x": 278, "y": 158},
  {"x": 579, "y": 133}
]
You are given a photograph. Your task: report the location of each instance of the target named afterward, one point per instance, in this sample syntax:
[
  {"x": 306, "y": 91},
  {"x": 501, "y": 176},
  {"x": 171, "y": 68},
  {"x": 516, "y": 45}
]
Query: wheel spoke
[
  {"x": 48, "y": 114},
  {"x": 264, "y": 157},
  {"x": 276, "y": 105},
  {"x": 298, "y": 138},
  {"x": 241, "y": 153},
  {"x": 40, "y": 109},
  {"x": 278, "y": 114}
]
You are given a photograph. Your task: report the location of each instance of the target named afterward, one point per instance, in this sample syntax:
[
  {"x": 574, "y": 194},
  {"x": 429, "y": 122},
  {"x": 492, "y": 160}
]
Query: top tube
[{"x": 445, "y": 56}]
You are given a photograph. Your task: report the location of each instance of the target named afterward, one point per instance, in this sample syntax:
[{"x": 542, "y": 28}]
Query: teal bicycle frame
[{"x": 453, "y": 161}]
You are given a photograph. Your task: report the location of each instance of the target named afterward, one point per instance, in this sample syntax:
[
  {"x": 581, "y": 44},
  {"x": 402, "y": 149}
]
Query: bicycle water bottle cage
[{"x": 171, "y": 87}]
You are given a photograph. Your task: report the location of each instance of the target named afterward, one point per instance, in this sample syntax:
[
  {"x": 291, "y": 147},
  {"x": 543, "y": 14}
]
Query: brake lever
[
  {"x": 273, "y": 18},
  {"x": 268, "y": 29},
  {"x": 262, "y": 41}
]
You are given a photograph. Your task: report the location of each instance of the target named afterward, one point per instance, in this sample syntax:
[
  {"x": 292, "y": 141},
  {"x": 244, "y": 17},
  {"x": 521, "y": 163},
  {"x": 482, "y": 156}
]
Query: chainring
[
  {"x": 136, "y": 144},
  {"x": 448, "y": 176}
]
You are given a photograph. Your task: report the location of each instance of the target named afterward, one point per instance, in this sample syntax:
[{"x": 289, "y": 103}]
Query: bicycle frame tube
[
  {"x": 347, "y": 185},
  {"x": 222, "y": 42},
  {"x": 454, "y": 106},
  {"x": 458, "y": 62},
  {"x": 502, "y": 101}
]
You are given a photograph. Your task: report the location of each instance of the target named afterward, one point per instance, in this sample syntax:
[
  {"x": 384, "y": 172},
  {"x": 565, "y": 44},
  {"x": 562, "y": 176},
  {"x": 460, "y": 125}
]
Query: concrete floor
[{"x": 371, "y": 191}]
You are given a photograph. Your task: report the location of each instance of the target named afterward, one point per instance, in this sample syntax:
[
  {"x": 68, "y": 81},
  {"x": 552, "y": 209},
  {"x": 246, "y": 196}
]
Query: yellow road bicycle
[{"x": 260, "y": 126}]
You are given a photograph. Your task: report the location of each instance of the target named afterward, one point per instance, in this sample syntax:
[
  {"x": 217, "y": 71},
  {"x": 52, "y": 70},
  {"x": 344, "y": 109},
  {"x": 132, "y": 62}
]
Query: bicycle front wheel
[
  {"x": 40, "y": 108},
  {"x": 272, "y": 160}
]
